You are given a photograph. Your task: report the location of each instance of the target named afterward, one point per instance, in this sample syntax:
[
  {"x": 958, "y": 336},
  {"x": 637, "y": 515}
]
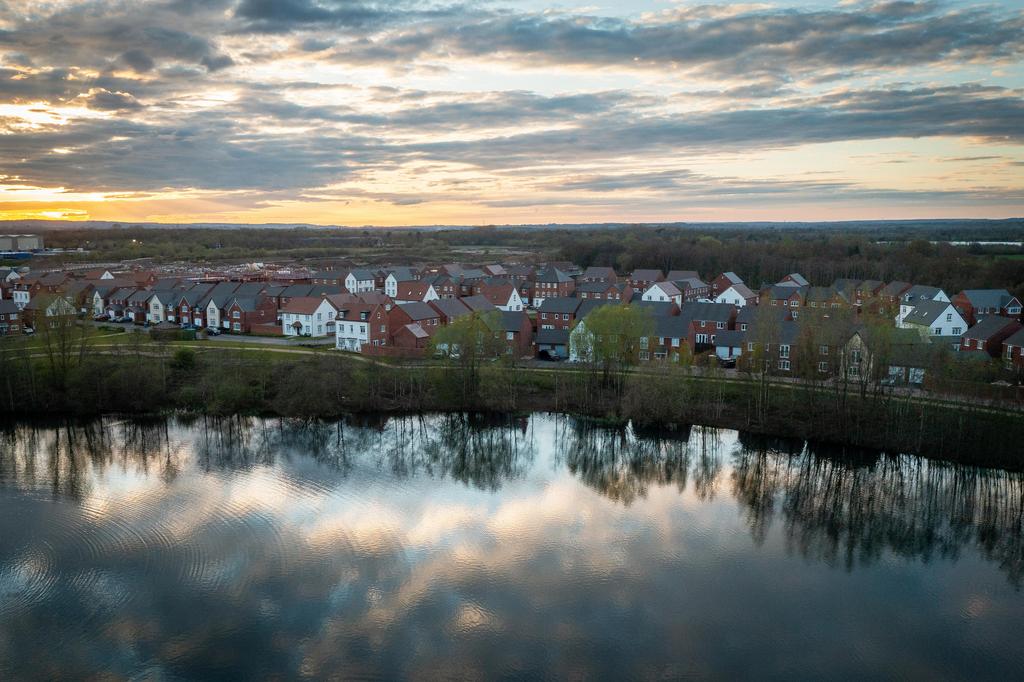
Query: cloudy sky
[{"x": 400, "y": 112}]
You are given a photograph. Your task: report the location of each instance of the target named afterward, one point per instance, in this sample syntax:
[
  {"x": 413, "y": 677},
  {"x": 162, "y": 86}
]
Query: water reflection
[{"x": 456, "y": 546}]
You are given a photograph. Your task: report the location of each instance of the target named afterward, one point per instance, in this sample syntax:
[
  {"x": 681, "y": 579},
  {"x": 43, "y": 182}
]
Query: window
[
  {"x": 643, "y": 342},
  {"x": 784, "y": 365},
  {"x": 510, "y": 336},
  {"x": 565, "y": 316},
  {"x": 235, "y": 314},
  {"x": 957, "y": 331},
  {"x": 823, "y": 350},
  {"x": 784, "y": 351},
  {"x": 645, "y": 355},
  {"x": 822, "y": 366},
  {"x": 949, "y": 317},
  {"x": 720, "y": 325},
  {"x": 750, "y": 347},
  {"x": 743, "y": 327},
  {"x": 937, "y": 331}
]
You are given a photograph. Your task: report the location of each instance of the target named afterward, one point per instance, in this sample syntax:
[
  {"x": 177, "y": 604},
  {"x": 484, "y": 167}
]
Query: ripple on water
[{"x": 28, "y": 580}]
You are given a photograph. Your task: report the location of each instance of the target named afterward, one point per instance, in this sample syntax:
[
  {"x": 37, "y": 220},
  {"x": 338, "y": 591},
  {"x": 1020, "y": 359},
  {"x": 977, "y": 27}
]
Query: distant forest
[{"x": 757, "y": 252}]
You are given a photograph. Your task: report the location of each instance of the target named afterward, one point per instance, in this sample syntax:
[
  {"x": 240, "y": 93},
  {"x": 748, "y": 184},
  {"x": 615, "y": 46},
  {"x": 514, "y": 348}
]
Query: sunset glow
[{"x": 358, "y": 112}]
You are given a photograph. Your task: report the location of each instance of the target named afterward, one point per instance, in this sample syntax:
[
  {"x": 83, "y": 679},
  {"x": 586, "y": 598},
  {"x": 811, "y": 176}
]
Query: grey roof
[
  {"x": 417, "y": 310},
  {"x": 552, "y": 274},
  {"x": 798, "y": 278},
  {"x": 921, "y": 292},
  {"x": 450, "y": 308},
  {"x": 783, "y": 291},
  {"x": 788, "y": 332},
  {"x": 297, "y": 290},
  {"x": 599, "y": 287},
  {"x": 743, "y": 290},
  {"x": 678, "y": 275},
  {"x": 713, "y": 312},
  {"x": 988, "y": 298},
  {"x": 845, "y": 284},
  {"x": 989, "y": 327},
  {"x": 647, "y": 275},
  {"x": 512, "y": 320},
  {"x": 869, "y": 286},
  {"x": 690, "y": 282},
  {"x": 140, "y": 297},
  {"x": 478, "y": 303},
  {"x": 672, "y": 326},
  {"x": 599, "y": 271},
  {"x": 561, "y": 304},
  {"x": 926, "y": 312},
  {"x": 732, "y": 277},
  {"x": 819, "y": 294},
  {"x": 553, "y": 337},
  {"x": 894, "y": 288},
  {"x": 361, "y": 274},
  {"x": 1016, "y": 340},
  {"x": 730, "y": 338},
  {"x": 328, "y": 274},
  {"x": 246, "y": 303},
  {"x": 402, "y": 274},
  {"x": 7, "y": 306},
  {"x": 748, "y": 314},
  {"x": 588, "y": 306}
]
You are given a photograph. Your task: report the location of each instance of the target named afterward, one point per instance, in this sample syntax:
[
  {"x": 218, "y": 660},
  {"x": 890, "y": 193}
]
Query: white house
[
  {"x": 359, "y": 281},
  {"x": 396, "y": 276},
  {"x": 935, "y": 318},
  {"x": 352, "y": 329},
  {"x": 21, "y": 297},
  {"x": 308, "y": 316},
  {"x": 738, "y": 295},
  {"x": 161, "y": 306},
  {"x": 664, "y": 292},
  {"x": 915, "y": 295}
]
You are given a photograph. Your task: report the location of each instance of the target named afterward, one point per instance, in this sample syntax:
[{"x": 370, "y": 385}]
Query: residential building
[
  {"x": 977, "y": 304},
  {"x": 738, "y": 295},
  {"x": 988, "y": 335},
  {"x": 935, "y": 318},
  {"x": 308, "y": 316}
]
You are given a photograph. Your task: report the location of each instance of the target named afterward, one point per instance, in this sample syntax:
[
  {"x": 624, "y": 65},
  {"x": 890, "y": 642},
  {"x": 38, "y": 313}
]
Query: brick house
[
  {"x": 641, "y": 280},
  {"x": 10, "y": 318},
  {"x": 605, "y": 291},
  {"x": 422, "y": 314},
  {"x": 557, "y": 313},
  {"x": 988, "y": 335},
  {"x": 1013, "y": 351},
  {"x": 597, "y": 273},
  {"x": 977, "y": 304},
  {"x": 723, "y": 282},
  {"x": 552, "y": 283}
]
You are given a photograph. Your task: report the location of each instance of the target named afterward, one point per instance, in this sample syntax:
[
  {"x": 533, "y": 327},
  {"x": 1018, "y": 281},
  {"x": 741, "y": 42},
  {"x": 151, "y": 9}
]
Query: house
[
  {"x": 738, "y": 295},
  {"x": 10, "y": 318},
  {"x": 98, "y": 274},
  {"x": 417, "y": 313},
  {"x": 514, "y": 327},
  {"x": 162, "y": 304},
  {"x": 605, "y": 291},
  {"x": 794, "y": 279},
  {"x": 599, "y": 274},
  {"x": 413, "y": 291},
  {"x": 988, "y": 335},
  {"x": 705, "y": 321},
  {"x": 657, "y": 308},
  {"x": 723, "y": 282},
  {"x": 729, "y": 344},
  {"x": 898, "y": 356},
  {"x": 444, "y": 286},
  {"x": 332, "y": 277},
  {"x": 552, "y": 283},
  {"x": 502, "y": 294},
  {"x": 57, "y": 310},
  {"x": 450, "y": 309},
  {"x": 80, "y": 293},
  {"x": 307, "y": 316},
  {"x": 918, "y": 294},
  {"x": 396, "y": 275},
  {"x": 747, "y": 316},
  {"x": 890, "y": 295},
  {"x": 1013, "y": 351},
  {"x": 552, "y": 343},
  {"x": 557, "y": 313},
  {"x": 977, "y": 304},
  {"x": 826, "y": 297},
  {"x": 411, "y": 337},
  {"x": 358, "y": 281},
  {"x": 693, "y": 289},
  {"x": 136, "y": 308},
  {"x": 934, "y": 318},
  {"x": 671, "y": 335},
  {"x": 360, "y": 324},
  {"x": 641, "y": 280},
  {"x": 866, "y": 291},
  {"x": 664, "y": 292},
  {"x": 242, "y": 313},
  {"x": 785, "y": 295}
]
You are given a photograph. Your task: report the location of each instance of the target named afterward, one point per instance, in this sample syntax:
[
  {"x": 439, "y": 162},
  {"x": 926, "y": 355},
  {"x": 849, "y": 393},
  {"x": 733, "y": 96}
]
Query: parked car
[
  {"x": 101, "y": 318},
  {"x": 549, "y": 356},
  {"x": 213, "y": 331},
  {"x": 28, "y": 330}
]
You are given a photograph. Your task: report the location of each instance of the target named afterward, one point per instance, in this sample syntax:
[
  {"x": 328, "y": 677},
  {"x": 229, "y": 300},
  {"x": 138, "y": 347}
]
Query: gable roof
[
  {"x": 713, "y": 312},
  {"x": 1016, "y": 340},
  {"x": 742, "y": 289},
  {"x": 648, "y": 275},
  {"x": 732, "y": 277},
  {"x": 730, "y": 338},
  {"x": 599, "y": 271},
  {"x": 927, "y": 312},
  {"x": 679, "y": 275},
  {"x": 553, "y": 274},
  {"x": 989, "y": 327},
  {"x": 560, "y": 304},
  {"x": 672, "y": 326},
  {"x": 657, "y": 308},
  {"x": 988, "y": 298},
  {"x": 799, "y": 279},
  {"x": 667, "y": 287},
  {"x": 304, "y": 305},
  {"x": 450, "y": 308},
  {"x": 418, "y": 310},
  {"x": 921, "y": 292}
]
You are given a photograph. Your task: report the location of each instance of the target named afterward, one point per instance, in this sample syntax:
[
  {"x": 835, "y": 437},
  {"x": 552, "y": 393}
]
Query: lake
[{"x": 541, "y": 547}]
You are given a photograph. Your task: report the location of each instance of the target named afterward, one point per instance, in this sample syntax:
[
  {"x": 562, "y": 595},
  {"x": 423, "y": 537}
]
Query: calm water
[{"x": 433, "y": 547}]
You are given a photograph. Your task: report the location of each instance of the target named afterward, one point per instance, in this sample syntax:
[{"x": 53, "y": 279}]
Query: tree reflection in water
[
  {"x": 850, "y": 510},
  {"x": 845, "y": 509}
]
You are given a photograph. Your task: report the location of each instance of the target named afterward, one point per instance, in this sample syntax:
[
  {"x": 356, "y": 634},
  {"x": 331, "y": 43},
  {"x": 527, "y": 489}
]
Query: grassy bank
[{"x": 149, "y": 379}]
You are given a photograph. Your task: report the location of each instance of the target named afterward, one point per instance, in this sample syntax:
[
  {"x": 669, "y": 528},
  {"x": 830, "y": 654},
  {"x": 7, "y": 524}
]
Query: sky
[{"x": 410, "y": 112}]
